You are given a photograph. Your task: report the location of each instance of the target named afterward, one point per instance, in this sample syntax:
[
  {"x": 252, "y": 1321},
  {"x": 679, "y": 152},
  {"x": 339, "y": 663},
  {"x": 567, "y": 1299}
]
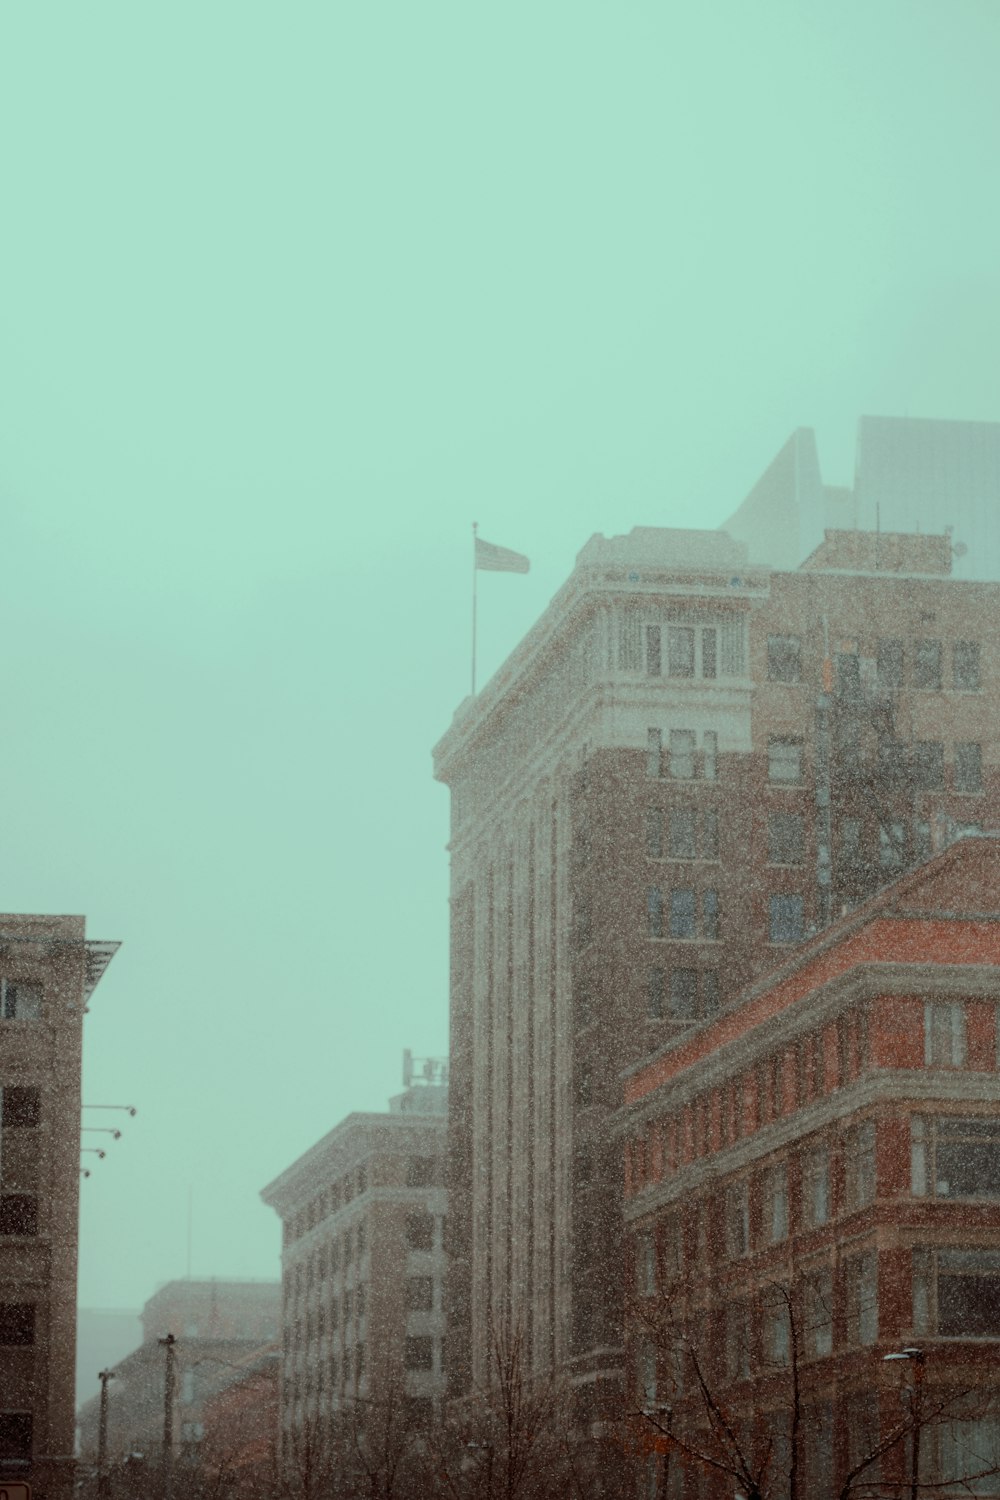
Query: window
[
  {"x": 645, "y": 1265},
  {"x": 654, "y": 752},
  {"x": 784, "y": 658},
  {"x": 20, "y": 1107},
  {"x": 683, "y": 994},
  {"x": 849, "y": 677},
  {"x": 816, "y": 1187},
  {"x": 710, "y": 745},
  {"x": 654, "y": 911},
  {"x": 655, "y": 993},
  {"x": 710, "y": 835},
  {"x": 709, "y": 991},
  {"x": 956, "y": 1292},
  {"x": 654, "y": 832},
  {"x": 420, "y": 1171},
  {"x": 187, "y": 1387},
  {"x": 20, "y": 1002},
  {"x": 955, "y": 1157},
  {"x": 892, "y": 845},
  {"x": 418, "y": 1413},
  {"x": 776, "y": 1205},
  {"x": 419, "y": 1293},
  {"x": 15, "y": 1436},
  {"x": 710, "y": 914},
  {"x": 682, "y": 748},
  {"x": 646, "y": 1375},
  {"x": 682, "y": 912},
  {"x": 738, "y": 1324},
  {"x": 785, "y": 838},
  {"x": 889, "y": 665},
  {"x": 18, "y": 1214},
  {"x": 859, "y": 1166},
  {"x": 784, "y": 761},
  {"x": 709, "y": 653},
  {"x": 891, "y": 760},
  {"x": 787, "y": 919},
  {"x": 861, "y": 1289},
  {"x": 683, "y": 841},
  {"x": 944, "y": 1034},
  {"x": 654, "y": 660},
  {"x": 737, "y": 1220},
  {"x": 680, "y": 651},
  {"x": 965, "y": 664},
  {"x": 17, "y": 1323},
  {"x": 927, "y": 664},
  {"x": 928, "y": 765},
  {"x": 419, "y": 1354},
  {"x": 968, "y": 767},
  {"x": 818, "y": 1313},
  {"x": 776, "y": 1327},
  {"x": 420, "y": 1231},
  {"x": 922, "y": 844}
]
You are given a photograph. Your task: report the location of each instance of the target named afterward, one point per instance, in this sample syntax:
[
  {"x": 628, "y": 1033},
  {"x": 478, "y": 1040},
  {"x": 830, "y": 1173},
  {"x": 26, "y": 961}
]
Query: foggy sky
[{"x": 290, "y": 296}]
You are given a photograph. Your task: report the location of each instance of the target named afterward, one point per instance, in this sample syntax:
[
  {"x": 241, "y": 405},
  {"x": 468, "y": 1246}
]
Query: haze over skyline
[{"x": 293, "y": 295}]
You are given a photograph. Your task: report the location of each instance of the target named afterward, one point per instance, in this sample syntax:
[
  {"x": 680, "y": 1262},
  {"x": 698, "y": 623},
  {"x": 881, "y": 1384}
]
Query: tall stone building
[
  {"x": 48, "y": 972},
  {"x": 362, "y": 1215},
  {"x": 688, "y": 765}
]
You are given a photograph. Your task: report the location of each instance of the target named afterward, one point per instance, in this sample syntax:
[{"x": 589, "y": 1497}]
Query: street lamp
[
  {"x": 915, "y": 1358},
  {"x": 103, "y": 1478}
]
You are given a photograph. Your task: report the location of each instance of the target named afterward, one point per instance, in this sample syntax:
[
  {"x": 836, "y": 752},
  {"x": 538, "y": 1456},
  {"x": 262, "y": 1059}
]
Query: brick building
[
  {"x": 816, "y": 1173},
  {"x": 239, "y": 1448},
  {"x": 48, "y": 971},
  {"x": 688, "y": 765},
  {"x": 218, "y": 1326},
  {"x": 362, "y": 1216}
]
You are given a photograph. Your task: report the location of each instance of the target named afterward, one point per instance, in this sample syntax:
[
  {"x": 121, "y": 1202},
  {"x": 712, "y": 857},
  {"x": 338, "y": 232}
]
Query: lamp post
[
  {"x": 169, "y": 1343},
  {"x": 103, "y": 1478},
  {"x": 915, "y": 1358}
]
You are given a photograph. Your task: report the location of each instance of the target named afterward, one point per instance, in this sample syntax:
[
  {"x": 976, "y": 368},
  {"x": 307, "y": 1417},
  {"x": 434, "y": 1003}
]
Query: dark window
[
  {"x": 709, "y": 654},
  {"x": 927, "y": 664},
  {"x": 655, "y": 994},
  {"x": 420, "y": 1231},
  {"x": 710, "y": 914},
  {"x": 420, "y": 1171},
  {"x": 849, "y": 677},
  {"x": 17, "y": 1322},
  {"x": 787, "y": 922},
  {"x": 709, "y": 991},
  {"x": 18, "y": 1214},
  {"x": 965, "y": 664},
  {"x": 785, "y": 838},
  {"x": 683, "y": 843},
  {"x": 15, "y": 1436},
  {"x": 968, "y": 1293},
  {"x": 20, "y": 1002},
  {"x": 654, "y": 664},
  {"x": 419, "y": 1354},
  {"x": 955, "y": 1157},
  {"x": 784, "y": 761},
  {"x": 654, "y": 752},
  {"x": 784, "y": 658},
  {"x": 418, "y": 1412},
  {"x": 710, "y": 762},
  {"x": 928, "y": 765},
  {"x": 683, "y": 994},
  {"x": 654, "y": 832},
  {"x": 968, "y": 767},
  {"x": 21, "y": 1106},
  {"x": 654, "y": 911},
  {"x": 680, "y": 651},
  {"x": 891, "y": 759},
  {"x": 419, "y": 1293},
  {"x": 710, "y": 835},
  {"x": 890, "y": 664},
  {"x": 682, "y": 912}
]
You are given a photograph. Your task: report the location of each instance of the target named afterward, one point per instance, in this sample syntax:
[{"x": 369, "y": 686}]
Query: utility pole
[
  {"x": 169, "y": 1343},
  {"x": 103, "y": 1477}
]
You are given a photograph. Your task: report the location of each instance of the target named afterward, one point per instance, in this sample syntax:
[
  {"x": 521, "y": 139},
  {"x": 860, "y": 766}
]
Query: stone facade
[
  {"x": 48, "y": 971},
  {"x": 687, "y": 766}
]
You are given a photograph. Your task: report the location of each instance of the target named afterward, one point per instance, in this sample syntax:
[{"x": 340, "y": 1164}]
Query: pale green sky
[{"x": 292, "y": 293}]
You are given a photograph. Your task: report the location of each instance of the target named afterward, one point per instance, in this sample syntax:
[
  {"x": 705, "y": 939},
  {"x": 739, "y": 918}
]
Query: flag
[{"x": 493, "y": 559}]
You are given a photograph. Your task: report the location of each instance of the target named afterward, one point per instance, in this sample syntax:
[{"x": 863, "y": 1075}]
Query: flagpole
[{"x": 475, "y": 528}]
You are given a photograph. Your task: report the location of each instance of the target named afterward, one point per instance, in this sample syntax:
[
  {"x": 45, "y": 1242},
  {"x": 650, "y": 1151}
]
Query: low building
[
  {"x": 48, "y": 972},
  {"x": 239, "y": 1449},
  {"x": 217, "y": 1327},
  {"x": 812, "y": 1184},
  {"x": 363, "y": 1263}
]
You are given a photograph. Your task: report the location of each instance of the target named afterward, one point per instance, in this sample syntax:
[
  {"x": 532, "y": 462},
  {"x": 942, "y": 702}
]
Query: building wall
[
  {"x": 364, "y": 1311},
  {"x": 47, "y": 972},
  {"x": 835, "y": 1140},
  {"x": 562, "y": 973}
]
